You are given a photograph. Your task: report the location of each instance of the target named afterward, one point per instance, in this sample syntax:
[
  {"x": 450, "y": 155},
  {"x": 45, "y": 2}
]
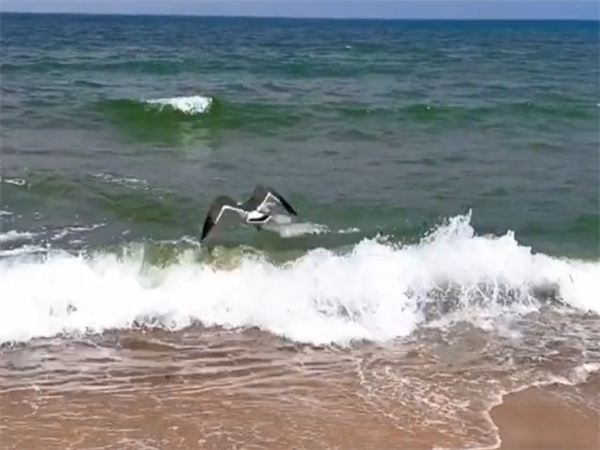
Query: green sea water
[{"x": 117, "y": 132}]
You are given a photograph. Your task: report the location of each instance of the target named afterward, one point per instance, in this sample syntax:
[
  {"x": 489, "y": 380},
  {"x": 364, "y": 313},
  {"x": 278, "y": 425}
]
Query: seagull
[{"x": 256, "y": 210}]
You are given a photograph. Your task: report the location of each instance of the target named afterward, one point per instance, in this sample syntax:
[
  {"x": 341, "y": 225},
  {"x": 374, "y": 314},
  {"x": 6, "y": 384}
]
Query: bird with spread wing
[{"x": 256, "y": 210}]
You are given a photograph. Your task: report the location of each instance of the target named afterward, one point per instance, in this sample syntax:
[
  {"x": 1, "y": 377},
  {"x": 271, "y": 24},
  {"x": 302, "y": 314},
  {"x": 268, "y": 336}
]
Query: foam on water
[
  {"x": 14, "y": 235},
  {"x": 24, "y": 250},
  {"x": 349, "y": 230},
  {"x": 14, "y": 181},
  {"x": 301, "y": 229},
  {"x": 282, "y": 225},
  {"x": 123, "y": 181},
  {"x": 374, "y": 292},
  {"x": 75, "y": 229},
  {"x": 194, "y": 104}
]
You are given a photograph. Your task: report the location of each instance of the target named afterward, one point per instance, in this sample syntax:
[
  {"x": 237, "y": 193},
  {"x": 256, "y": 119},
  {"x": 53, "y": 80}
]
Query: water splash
[{"x": 376, "y": 291}]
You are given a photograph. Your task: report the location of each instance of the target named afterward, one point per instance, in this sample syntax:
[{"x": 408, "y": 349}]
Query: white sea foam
[
  {"x": 194, "y": 104},
  {"x": 124, "y": 181},
  {"x": 66, "y": 231},
  {"x": 302, "y": 229},
  {"x": 24, "y": 250},
  {"x": 284, "y": 226},
  {"x": 349, "y": 230},
  {"x": 14, "y": 235},
  {"x": 373, "y": 292},
  {"x": 581, "y": 373},
  {"x": 15, "y": 181}
]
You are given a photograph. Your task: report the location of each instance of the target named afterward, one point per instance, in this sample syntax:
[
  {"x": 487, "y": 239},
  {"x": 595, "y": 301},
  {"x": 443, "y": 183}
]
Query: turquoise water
[{"x": 117, "y": 133}]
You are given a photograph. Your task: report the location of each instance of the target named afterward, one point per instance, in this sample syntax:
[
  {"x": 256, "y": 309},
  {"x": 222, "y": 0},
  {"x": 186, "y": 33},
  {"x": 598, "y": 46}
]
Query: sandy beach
[{"x": 253, "y": 391}]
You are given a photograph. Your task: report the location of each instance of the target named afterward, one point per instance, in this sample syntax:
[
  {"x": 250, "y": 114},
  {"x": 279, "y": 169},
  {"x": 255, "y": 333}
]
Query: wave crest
[
  {"x": 375, "y": 291},
  {"x": 195, "y": 104}
]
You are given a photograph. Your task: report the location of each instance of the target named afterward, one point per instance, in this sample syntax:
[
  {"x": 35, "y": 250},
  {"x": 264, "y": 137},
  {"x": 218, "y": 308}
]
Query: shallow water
[{"x": 213, "y": 388}]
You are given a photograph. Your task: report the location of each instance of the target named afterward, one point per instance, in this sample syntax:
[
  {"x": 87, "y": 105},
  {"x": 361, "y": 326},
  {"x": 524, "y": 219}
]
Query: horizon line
[{"x": 233, "y": 16}]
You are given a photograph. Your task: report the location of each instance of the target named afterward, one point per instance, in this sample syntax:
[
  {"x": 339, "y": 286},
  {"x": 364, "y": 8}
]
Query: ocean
[{"x": 439, "y": 287}]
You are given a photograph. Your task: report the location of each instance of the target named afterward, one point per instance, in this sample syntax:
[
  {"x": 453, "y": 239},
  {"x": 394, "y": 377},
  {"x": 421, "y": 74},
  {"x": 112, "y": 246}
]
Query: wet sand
[
  {"x": 218, "y": 389},
  {"x": 550, "y": 417}
]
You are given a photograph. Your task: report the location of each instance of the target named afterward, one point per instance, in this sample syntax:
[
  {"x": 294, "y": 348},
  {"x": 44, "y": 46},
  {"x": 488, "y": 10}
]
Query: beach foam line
[{"x": 374, "y": 292}]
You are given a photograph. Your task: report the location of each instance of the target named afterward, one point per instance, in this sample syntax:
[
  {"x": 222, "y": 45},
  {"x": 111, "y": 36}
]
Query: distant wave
[
  {"x": 195, "y": 104},
  {"x": 164, "y": 117},
  {"x": 174, "y": 106},
  {"x": 182, "y": 117},
  {"x": 169, "y": 119}
]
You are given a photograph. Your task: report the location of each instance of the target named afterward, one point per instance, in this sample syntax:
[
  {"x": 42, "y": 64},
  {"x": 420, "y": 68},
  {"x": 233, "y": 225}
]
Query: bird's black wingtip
[
  {"x": 287, "y": 206},
  {"x": 208, "y": 224}
]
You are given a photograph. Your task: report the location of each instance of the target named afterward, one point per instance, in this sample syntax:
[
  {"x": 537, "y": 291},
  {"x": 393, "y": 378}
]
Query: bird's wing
[
  {"x": 262, "y": 198},
  {"x": 223, "y": 209}
]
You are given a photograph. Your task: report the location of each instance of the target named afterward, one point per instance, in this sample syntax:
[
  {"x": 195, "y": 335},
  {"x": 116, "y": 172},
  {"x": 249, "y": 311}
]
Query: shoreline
[{"x": 263, "y": 396}]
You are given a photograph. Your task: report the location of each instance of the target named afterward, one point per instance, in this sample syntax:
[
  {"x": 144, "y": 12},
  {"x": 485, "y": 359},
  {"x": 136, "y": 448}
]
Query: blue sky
[{"x": 428, "y": 9}]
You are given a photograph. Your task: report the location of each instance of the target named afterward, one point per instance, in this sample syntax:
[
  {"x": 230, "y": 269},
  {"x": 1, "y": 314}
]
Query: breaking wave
[
  {"x": 195, "y": 104},
  {"x": 373, "y": 291}
]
